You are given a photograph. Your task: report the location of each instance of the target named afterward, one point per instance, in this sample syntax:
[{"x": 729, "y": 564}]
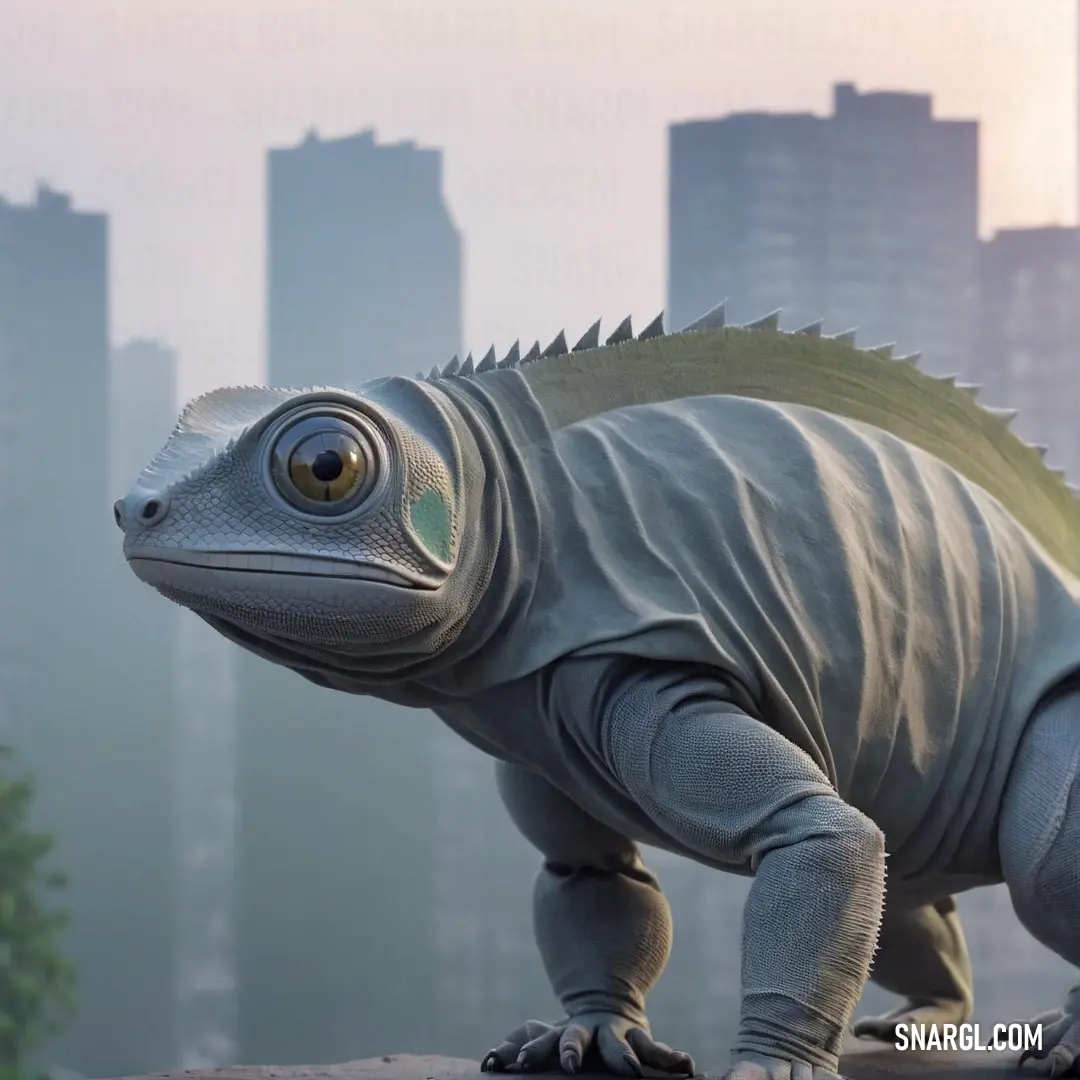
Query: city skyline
[
  {"x": 559, "y": 230},
  {"x": 866, "y": 217}
]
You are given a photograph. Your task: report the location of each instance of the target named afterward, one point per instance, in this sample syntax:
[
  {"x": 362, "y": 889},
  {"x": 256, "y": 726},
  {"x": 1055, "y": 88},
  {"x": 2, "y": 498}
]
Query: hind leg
[
  {"x": 1039, "y": 842},
  {"x": 922, "y": 957}
]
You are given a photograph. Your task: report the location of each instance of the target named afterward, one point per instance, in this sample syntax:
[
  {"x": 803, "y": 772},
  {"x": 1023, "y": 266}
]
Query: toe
[
  {"x": 500, "y": 1057},
  {"x": 617, "y": 1054},
  {"x": 1061, "y": 1060},
  {"x": 1055, "y": 1034},
  {"x": 573, "y": 1043},
  {"x": 535, "y": 1053},
  {"x": 658, "y": 1055},
  {"x": 1059, "y": 1052}
]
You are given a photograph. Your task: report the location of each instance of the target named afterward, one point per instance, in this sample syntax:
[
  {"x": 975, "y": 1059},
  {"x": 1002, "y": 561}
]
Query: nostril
[
  {"x": 152, "y": 510},
  {"x": 116, "y": 513}
]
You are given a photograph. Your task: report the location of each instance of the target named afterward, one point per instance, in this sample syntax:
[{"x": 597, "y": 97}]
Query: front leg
[
  {"x": 603, "y": 928},
  {"x": 731, "y": 789}
]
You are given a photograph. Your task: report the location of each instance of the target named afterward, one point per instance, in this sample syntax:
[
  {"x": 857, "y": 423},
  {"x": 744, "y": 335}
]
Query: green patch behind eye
[{"x": 430, "y": 518}]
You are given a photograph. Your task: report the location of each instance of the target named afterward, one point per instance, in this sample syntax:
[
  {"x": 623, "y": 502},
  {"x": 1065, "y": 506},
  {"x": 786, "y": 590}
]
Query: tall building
[
  {"x": 364, "y": 270},
  {"x": 1029, "y": 335},
  {"x": 337, "y": 851},
  {"x": 746, "y": 216},
  {"x": 196, "y": 667},
  {"x": 80, "y": 659},
  {"x": 867, "y": 217}
]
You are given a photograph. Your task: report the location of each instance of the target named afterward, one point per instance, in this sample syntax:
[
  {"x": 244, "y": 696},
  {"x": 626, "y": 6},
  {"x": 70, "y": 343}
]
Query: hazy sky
[{"x": 552, "y": 115}]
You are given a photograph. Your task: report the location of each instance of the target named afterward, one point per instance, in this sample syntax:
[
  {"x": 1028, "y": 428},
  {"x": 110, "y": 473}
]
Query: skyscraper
[
  {"x": 1029, "y": 335},
  {"x": 364, "y": 270},
  {"x": 868, "y": 217},
  {"x": 746, "y": 216},
  {"x": 81, "y": 679},
  {"x": 336, "y": 852}
]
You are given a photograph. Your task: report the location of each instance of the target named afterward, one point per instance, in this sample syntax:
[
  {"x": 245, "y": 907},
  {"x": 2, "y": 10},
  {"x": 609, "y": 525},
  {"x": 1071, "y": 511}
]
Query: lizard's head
[{"x": 326, "y": 519}]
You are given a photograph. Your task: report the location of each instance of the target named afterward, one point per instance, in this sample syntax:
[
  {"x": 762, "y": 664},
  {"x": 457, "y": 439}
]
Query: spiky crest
[
  {"x": 712, "y": 320},
  {"x": 512, "y": 358},
  {"x": 938, "y": 413},
  {"x": 623, "y": 332},
  {"x": 655, "y": 329},
  {"x": 884, "y": 351},
  {"x": 590, "y": 339},
  {"x": 558, "y": 346},
  {"x": 766, "y": 322}
]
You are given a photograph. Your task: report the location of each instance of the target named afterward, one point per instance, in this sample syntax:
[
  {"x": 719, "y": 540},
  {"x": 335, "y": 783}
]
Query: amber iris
[{"x": 328, "y": 466}]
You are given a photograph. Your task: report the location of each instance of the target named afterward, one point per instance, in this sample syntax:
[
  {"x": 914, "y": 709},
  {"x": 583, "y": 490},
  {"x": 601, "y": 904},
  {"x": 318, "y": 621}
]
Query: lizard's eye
[
  {"x": 328, "y": 466},
  {"x": 324, "y": 464}
]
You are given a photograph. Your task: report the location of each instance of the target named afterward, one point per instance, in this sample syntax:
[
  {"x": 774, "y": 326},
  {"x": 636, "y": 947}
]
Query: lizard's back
[{"x": 877, "y": 608}]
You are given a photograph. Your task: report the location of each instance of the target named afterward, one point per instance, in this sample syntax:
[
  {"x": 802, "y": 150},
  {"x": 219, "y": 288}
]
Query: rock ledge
[{"x": 867, "y": 1062}]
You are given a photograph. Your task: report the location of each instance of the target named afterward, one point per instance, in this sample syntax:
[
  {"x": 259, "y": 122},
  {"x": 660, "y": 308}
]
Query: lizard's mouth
[{"x": 156, "y": 566}]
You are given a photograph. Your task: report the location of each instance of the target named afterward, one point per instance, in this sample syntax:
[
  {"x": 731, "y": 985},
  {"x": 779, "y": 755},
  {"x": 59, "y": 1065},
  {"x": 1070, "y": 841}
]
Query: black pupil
[
  {"x": 327, "y": 466},
  {"x": 150, "y": 509}
]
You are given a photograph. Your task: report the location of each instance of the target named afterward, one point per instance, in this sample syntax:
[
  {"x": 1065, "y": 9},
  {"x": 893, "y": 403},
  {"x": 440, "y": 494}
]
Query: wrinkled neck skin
[{"x": 455, "y": 655}]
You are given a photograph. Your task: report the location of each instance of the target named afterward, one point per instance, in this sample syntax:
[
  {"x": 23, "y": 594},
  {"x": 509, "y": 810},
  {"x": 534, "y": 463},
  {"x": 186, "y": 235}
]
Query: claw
[
  {"x": 569, "y": 1062},
  {"x": 1058, "y": 1053},
  {"x": 491, "y": 1062}
]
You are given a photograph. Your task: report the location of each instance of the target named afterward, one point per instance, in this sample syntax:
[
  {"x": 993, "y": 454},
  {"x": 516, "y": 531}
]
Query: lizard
[{"x": 782, "y": 605}]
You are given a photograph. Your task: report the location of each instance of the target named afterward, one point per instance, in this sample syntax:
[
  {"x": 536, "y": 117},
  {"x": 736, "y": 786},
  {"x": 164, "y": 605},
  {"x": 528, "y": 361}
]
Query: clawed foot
[
  {"x": 1060, "y": 1051},
  {"x": 935, "y": 1013},
  {"x": 764, "y": 1067},
  {"x": 621, "y": 1045}
]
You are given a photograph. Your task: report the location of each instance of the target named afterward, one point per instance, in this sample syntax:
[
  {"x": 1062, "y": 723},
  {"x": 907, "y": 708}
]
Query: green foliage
[{"x": 36, "y": 982}]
